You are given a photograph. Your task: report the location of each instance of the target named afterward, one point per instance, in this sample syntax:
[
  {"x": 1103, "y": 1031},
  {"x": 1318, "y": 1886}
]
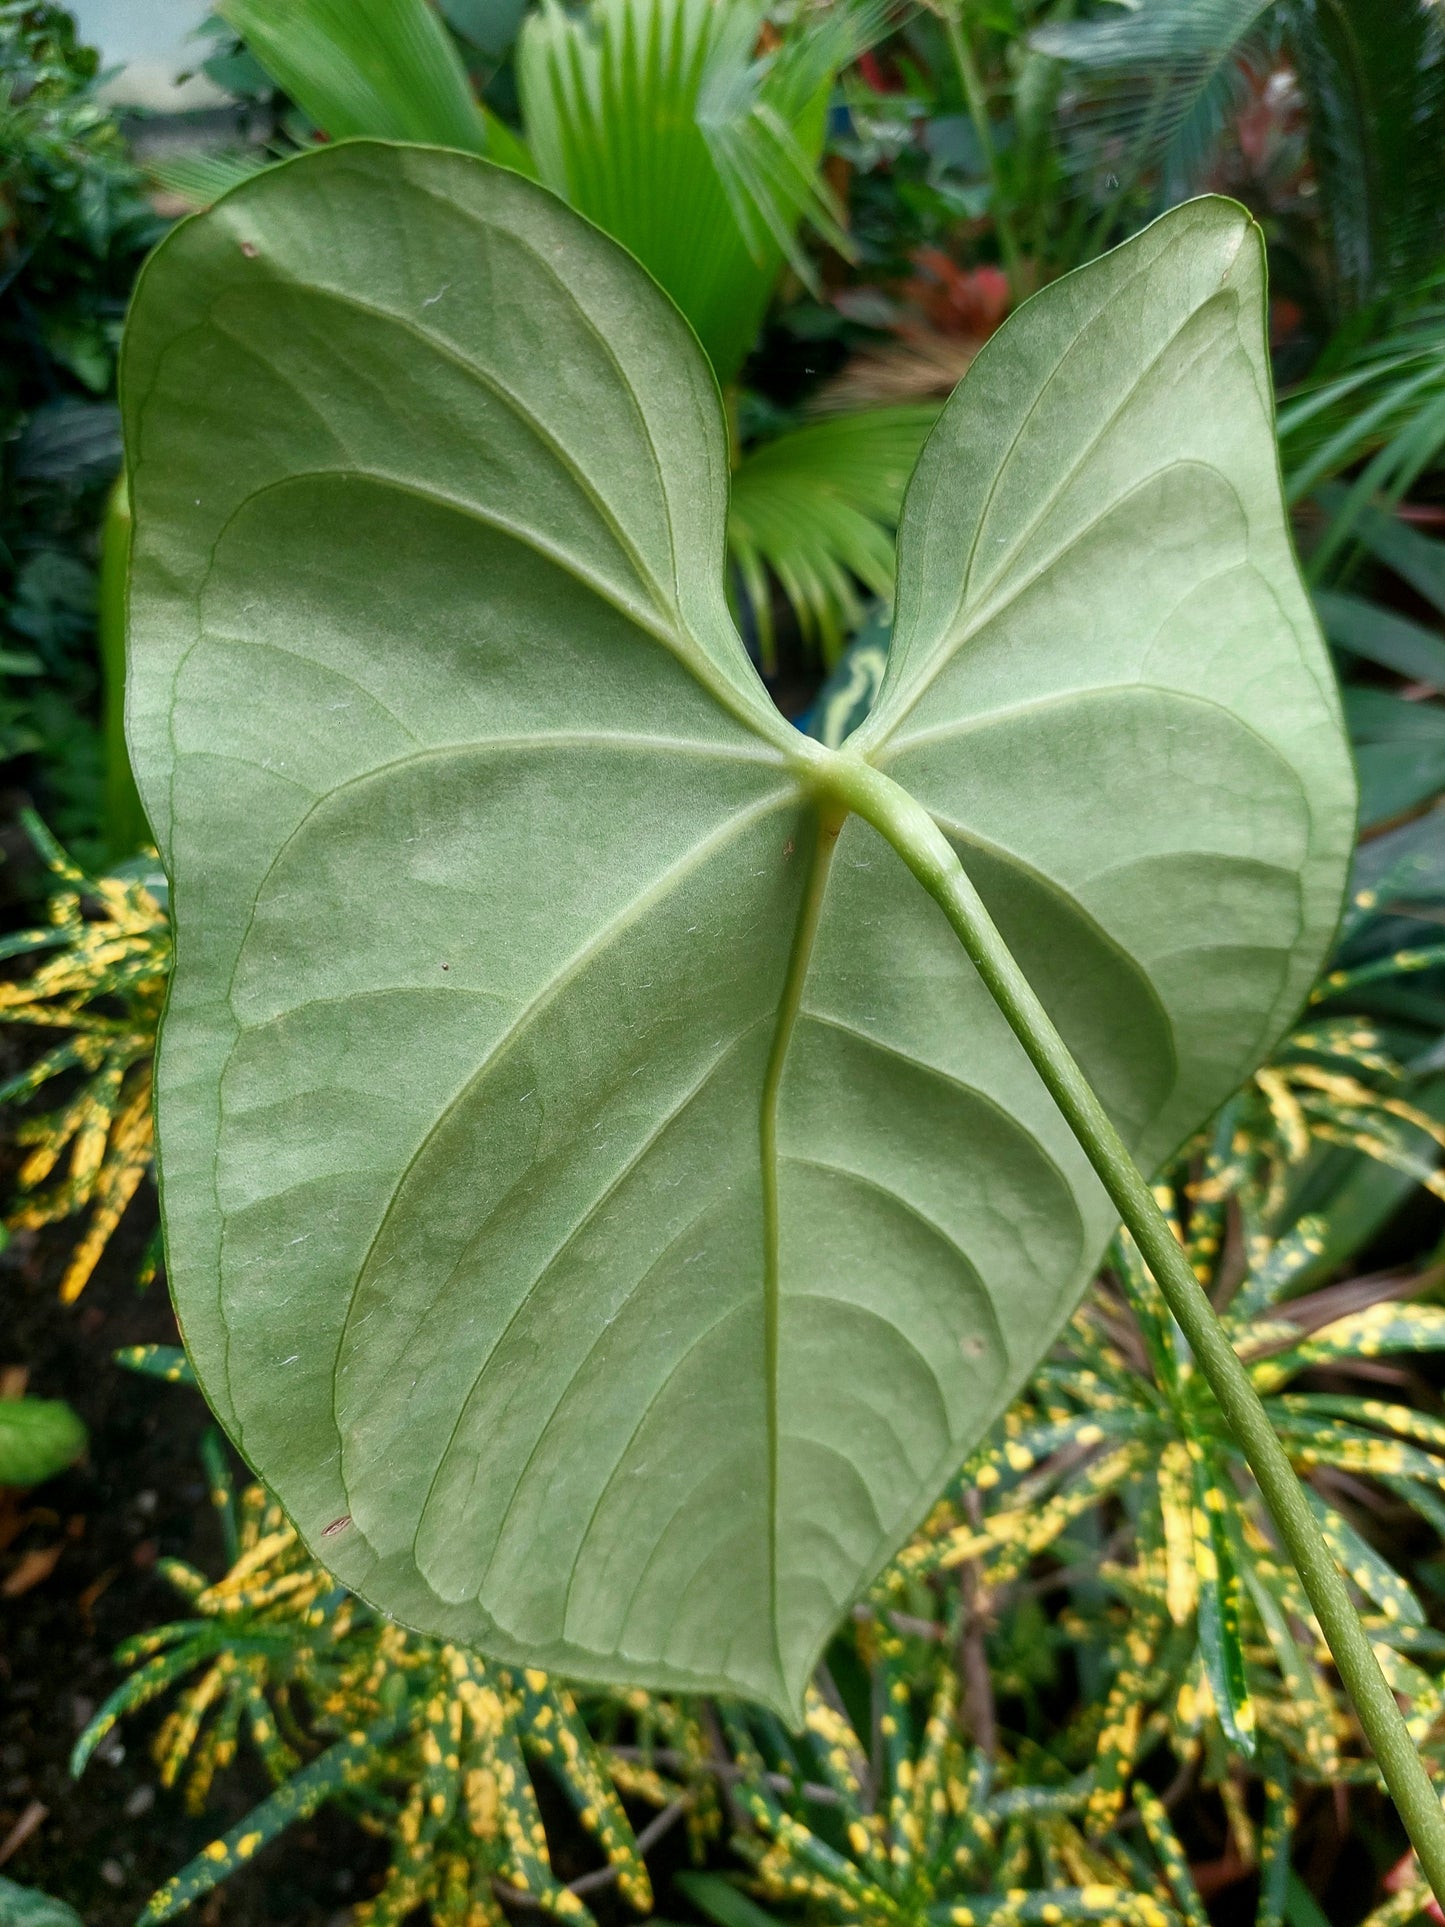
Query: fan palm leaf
[
  {"x": 660, "y": 121},
  {"x": 814, "y": 509},
  {"x": 383, "y": 68}
]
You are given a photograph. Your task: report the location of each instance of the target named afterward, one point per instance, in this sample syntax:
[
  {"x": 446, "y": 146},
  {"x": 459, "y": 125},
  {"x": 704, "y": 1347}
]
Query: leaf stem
[
  {"x": 932, "y": 859},
  {"x": 976, "y": 99},
  {"x": 126, "y": 827}
]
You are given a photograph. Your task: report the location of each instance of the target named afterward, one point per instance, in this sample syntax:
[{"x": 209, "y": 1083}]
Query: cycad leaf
[
  {"x": 1373, "y": 72},
  {"x": 603, "y": 1186},
  {"x": 1153, "y": 78},
  {"x": 379, "y": 68}
]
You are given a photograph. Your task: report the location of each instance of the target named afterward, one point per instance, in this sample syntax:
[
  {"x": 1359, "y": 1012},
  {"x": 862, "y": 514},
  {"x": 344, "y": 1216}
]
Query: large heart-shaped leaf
[{"x": 602, "y": 1200}]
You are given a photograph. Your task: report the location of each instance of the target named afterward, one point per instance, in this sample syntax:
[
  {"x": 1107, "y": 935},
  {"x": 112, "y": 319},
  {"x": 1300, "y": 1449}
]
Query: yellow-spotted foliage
[
  {"x": 98, "y": 987},
  {"x": 1118, "y": 1458},
  {"x": 917, "y": 1825},
  {"x": 426, "y": 1744}
]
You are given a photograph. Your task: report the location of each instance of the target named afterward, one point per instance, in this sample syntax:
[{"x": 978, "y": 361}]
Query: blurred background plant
[
  {"x": 75, "y": 225},
  {"x": 1090, "y": 1688}
]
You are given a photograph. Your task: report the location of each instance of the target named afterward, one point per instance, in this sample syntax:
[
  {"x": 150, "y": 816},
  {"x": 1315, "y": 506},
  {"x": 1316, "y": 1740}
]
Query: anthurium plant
[{"x": 604, "y": 1202}]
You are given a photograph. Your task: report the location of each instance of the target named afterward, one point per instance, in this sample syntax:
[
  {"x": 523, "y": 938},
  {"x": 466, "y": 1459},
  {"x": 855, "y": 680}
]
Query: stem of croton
[{"x": 847, "y": 779}]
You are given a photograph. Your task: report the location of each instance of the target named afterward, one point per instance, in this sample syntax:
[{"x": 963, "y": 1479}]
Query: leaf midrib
[{"x": 810, "y": 910}]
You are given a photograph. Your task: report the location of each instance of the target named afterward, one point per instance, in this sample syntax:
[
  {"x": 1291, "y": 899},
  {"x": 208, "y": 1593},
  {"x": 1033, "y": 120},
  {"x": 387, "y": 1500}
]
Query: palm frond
[
  {"x": 814, "y": 511},
  {"x": 660, "y": 121},
  {"x": 1150, "y": 83},
  {"x": 380, "y": 68},
  {"x": 199, "y": 180}
]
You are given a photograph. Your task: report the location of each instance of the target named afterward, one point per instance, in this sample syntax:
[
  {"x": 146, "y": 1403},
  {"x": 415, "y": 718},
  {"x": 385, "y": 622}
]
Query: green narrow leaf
[
  {"x": 300, "y": 1797},
  {"x": 165, "y": 1362},
  {"x": 1044, "y": 1908},
  {"x": 1276, "y": 1838},
  {"x": 1172, "y": 1857},
  {"x": 222, "y": 1490},
  {"x": 1302, "y": 1680},
  {"x": 1380, "y": 635},
  {"x": 381, "y": 69},
  {"x": 28, "y": 1907},
  {"x": 144, "y": 1685},
  {"x": 721, "y": 1901},
  {"x": 1416, "y": 558},
  {"x": 1121, "y": 1730},
  {"x": 589, "y": 1177},
  {"x": 1399, "y": 751},
  {"x": 1301, "y": 1909},
  {"x": 1221, "y": 1602},
  {"x": 1278, "y": 1274}
]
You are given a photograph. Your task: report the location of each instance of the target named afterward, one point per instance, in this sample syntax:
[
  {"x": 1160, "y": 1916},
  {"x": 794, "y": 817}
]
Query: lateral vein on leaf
[
  {"x": 656, "y": 892},
  {"x": 608, "y": 1191},
  {"x": 804, "y": 1292},
  {"x": 684, "y": 1358},
  {"x": 1061, "y": 484},
  {"x": 910, "y": 1209},
  {"x": 952, "y": 641},
  {"x": 959, "y": 1084},
  {"x": 637, "y": 614},
  {"x": 598, "y": 335},
  {"x": 1015, "y": 591},
  {"x": 561, "y": 739},
  {"x": 988, "y": 719},
  {"x": 513, "y": 402},
  {"x": 1100, "y": 315}
]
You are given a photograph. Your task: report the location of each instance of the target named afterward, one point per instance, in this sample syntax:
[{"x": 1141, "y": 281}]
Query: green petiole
[{"x": 908, "y": 827}]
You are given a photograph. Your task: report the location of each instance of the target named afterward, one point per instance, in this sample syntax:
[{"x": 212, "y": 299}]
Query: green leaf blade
[
  {"x": 39, "y": 1437},
  {"x": 381, "y": 69},
  {"x": 1071, "y": 736},
  {"x": 601, "y": 1201}
]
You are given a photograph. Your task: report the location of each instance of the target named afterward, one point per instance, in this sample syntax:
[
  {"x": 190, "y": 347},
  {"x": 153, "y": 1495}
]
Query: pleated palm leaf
[{"x": 691, "y": 131}]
